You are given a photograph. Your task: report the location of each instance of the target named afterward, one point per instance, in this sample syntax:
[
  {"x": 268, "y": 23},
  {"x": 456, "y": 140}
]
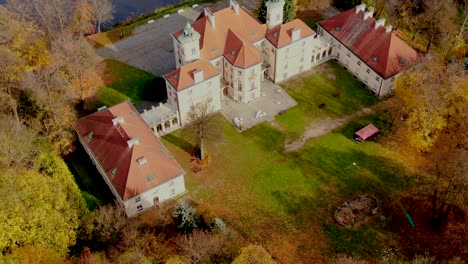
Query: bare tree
[
  {"x": 19, "y": 144},
  {"x": 203, "y": 126},
  {"x": 102, "y": 11}
]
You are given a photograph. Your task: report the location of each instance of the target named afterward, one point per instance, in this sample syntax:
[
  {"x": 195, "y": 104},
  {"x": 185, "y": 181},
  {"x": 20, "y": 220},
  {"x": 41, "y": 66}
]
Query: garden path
[{"x": 323, "y": 126}]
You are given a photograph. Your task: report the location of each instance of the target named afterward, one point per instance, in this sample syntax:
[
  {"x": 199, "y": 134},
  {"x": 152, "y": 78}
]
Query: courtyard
[{"x": 274, "y": 100}]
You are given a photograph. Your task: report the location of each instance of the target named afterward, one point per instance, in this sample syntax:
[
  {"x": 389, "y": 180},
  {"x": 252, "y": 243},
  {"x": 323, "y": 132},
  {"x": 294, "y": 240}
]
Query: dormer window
[
  {"x": 114, "y": 171},
  {"x": 338, "y": 29},
  {"x": 176, "y": 76},
  {"x": 402, "y": 61},
  {"x": 375, "y": 59}
]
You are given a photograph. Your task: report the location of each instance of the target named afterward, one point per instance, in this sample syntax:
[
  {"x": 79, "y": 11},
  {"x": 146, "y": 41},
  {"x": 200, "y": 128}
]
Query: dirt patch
[
  {"x": 331, "y": 77},
  {"x": 320, "y": 128},
  {"x": 444, "y": 243}
]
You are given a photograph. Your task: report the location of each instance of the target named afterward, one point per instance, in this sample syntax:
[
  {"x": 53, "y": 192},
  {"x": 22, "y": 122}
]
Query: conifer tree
[{"x": 289, "y": 11}]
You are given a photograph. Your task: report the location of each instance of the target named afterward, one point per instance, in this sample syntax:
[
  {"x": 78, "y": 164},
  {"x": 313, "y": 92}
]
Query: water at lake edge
[{"x": 125, "y": 9}]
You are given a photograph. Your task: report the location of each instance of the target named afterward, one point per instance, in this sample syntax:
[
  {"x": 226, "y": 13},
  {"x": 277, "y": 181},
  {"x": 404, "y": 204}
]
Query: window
[
  {"x": 140, "y": 208},
  {"x": 189, "y": 92},
  {"x": 303, "y": 43},
  {"x": 368, "y": 70},
  {"x": 393, "y": 79},
  {"x": 339, "y": 46},
  {"x": 285, "y": 76},
  {"x": 172, "y": 191},
  {"x": 209, "y": 83},
  {"x": 171, "y": 183},
  {"x": 338, "y": 55},
  {"x": 239, "y": 86},
  {"x": 377, "y": 78},
  {"x": 302, "y": 58},
  {"x": 349, "y": 55},
  {"x": 194, "y": 50},
  {"x": 287, "y": 50},
  {"x": 285, "y": 66},
  {"x": 138, "y": 199},
  {"x": 301, "y": 68},
  {"x": 359, "y": 63},
  {"x": 252, "y": 85},
  {"x": 239, "y": 72}
]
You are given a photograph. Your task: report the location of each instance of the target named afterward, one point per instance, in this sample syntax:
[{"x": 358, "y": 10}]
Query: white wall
[
  {"x": 245, "y": 84},
  {"x": 206, "y": 91},
  {"x": 163, "y": 192},
  {"x": 293, "y": 59}
]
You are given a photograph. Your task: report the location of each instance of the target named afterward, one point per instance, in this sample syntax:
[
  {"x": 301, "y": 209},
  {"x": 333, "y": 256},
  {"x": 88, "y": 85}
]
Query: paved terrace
[{"x": 273, "y": 100}]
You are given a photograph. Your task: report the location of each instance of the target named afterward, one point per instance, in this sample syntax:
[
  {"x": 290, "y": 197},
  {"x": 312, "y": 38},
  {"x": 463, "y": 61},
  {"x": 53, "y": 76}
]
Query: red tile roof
[
  {"x": 383, "y": 51},
  {"x": 282, "y": 35},
  {"x": 182, "y": 78},
  {"x": 109, "y": 145},
  {"x": 241, "y": 53},
  {"x": 213, "y": 39}
]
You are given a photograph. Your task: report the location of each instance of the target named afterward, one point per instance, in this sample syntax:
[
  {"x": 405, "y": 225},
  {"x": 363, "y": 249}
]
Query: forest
[{"x": 49, "y": 70}]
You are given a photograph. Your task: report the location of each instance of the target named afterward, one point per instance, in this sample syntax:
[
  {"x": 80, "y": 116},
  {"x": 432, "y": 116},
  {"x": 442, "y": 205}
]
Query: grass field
[
  {"x": 124, "y": 82},
  {"x": 314, "y": 89},
  {"x": 285, "y": 201}
]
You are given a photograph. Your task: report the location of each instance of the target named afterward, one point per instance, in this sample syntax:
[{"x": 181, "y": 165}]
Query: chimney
[
  {"x": 235, "y": 5},
  {"x": 132, "y": 142},
  {"x": 142, "y": 160},
  {"x": 198, "y": 75},
  {"x": 380, "y": 22},
  {"x": 210, "y": 16},
  {"x": 360, "y": 8},
  {"x": 117, "y": 120},
  {"x": 295, "y": 34},
  {"x": 102, "y": 108},
  {"x": 369, "y": 13},
  {"x": 388, "y": 28}
]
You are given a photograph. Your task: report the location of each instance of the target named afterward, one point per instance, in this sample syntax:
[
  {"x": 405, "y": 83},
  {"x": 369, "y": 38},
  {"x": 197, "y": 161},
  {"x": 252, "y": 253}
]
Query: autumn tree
[
  {"x": 39, "y": 206},
  {"x": 82, "y": 18},
  {"x": 22, "y": 49},
  {"x": 429, "y": 96},
  {"x": 103, "y": 11},
  {"x": 78, "y": 62},
  {"x": 20, "y": 145},
  {"x": 52, "y": 97},
  {"x": 253, "y": 254},
  {"x": 203, "y": 126},
  {"x": 313, "y": 5}
]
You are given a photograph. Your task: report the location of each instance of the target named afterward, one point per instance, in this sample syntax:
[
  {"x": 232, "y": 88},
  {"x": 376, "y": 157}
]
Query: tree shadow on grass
[
  {"x": 154, "y": 90},
  {"x": 180, "y": 143}
]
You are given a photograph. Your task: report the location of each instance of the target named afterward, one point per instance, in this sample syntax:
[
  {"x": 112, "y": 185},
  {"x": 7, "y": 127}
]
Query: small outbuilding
[{"x": 366, "y": 132}]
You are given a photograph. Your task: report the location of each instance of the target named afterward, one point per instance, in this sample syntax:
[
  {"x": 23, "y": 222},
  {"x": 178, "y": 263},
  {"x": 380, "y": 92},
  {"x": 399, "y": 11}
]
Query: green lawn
[
  {"x": 286, "y": 200},
  {"x": 124, "y": 82},
  {"x": 315, "y": 89}
]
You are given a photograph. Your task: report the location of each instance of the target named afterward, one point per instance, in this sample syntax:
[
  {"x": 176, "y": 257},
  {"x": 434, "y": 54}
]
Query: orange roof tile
[
  {"x": 383, "y": 51},
  {"x": 213, "y": 39},
  {"x": 241, "y": 53},
  {"x": 109, "y": 145},
  {"x": 281, "y": 36},
  {"x": 182, "y": 78}
]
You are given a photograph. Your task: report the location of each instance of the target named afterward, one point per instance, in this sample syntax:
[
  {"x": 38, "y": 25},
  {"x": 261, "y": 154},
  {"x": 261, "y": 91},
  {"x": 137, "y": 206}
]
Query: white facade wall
[
  {"x": 244, "y": 84},
  {"x": 158, "y": 194},
  {"x": 206, "y": 91},
  {"x": 293, "y": 59},
  {"x": 186, "y": 52},
  {"x": 357, "y": 67}
]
